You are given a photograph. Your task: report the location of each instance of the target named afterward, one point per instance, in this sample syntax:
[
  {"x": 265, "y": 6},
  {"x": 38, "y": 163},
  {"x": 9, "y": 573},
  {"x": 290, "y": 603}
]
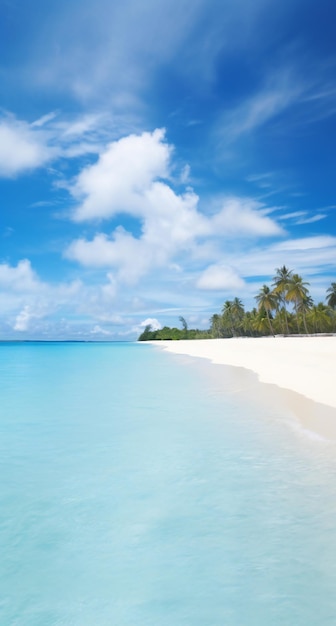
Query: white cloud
[
  {"x": 125, "y": 252},
  {"x": 281, "y": 91},
  {"x": 172, "y": 226},
  {"x": 42, "y": 121},
  {"x": 25, "y": 297},
  {"x": 306, "y": 243},
  {"x": 284, "y": 88},
  {"x": 292, "y": 215},
  {"x": 26, "y": 146},
  {"x": 121, "y": 177},
  {"x": 185, "y": 174},
  {"x": 98, "y": 330},
  {"x": 219, "y": 278},
  {"x": 131, "y": 178},
  {"x": 21, "y": 278},
  {"x": 22, "y": 148},
  {"x": 263, "y": 180},
  {"x": 151, "y": 321},
  {"x": 245, "y": 217},
  {"x": 307, "y": 256},
  {"x": 117, "y": 47},
  {"x": 82, "y": 125},
  {"x": 26, "y": 316},
  {"x": 30, "y": 305},
  {"x": 302, "y": 217},
  {"x": 311, "y": 220},
  {"x": 124, "y": 43},
  {"x": 137, "y": 329},
  {"x": 22, "y": 319}
]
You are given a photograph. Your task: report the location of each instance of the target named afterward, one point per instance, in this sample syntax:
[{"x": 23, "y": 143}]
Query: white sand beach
[{"x": 305, "y": 365}]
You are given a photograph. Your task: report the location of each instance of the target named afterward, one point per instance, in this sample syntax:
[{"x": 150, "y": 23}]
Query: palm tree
[
  {"x": 280, "y": 314},
  {"x": 237, "y": 313},
  {"x": 184, "y": 326},
  {"x": 253, "y": 315},
  {"x": 261, "y": 323},
  {"x": 247, "y": 323},
  {"x": 280, "y": 286},
  {"x": 331, "y": 298},
  {"x": 319, "y": 318},
  {"x": 216, "y": 326},
  {"x": 267, "y": 301},
  {"x": 332, "y": 314},
  {"x": 303, "y": 308},
  {"x": 297, "y": 292},
  {"x": 227, "y": 317}
]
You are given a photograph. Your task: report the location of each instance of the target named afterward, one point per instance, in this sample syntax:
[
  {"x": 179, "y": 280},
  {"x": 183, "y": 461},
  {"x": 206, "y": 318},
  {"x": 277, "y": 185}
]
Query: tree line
[
  {"x": 167, "y": 333},
  {"x": 284, "y": 308}
]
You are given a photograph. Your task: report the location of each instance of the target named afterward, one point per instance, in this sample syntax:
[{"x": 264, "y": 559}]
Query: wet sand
[{"x": 299, "y": 372}]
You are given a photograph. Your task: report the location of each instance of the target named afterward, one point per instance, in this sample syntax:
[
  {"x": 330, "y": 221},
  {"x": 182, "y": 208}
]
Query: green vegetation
[
  {"x": 285, "y": 308},
  {"x": 167, "y": 333}
]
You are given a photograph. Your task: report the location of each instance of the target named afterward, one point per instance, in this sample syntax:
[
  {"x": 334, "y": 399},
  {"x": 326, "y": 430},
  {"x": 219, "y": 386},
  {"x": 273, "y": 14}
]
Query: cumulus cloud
[
  {"x": 123, "y": 173},
  {"x": 123, "y": 251},
  {"x": 138, "y": 328},
  {"x": 151, "y": 321},
  {"x": 131, "y": 177},
  {"x": 31, "y": 305},
  {"x": 220, "y": 277},
  {"x": 172, "y": 225},
  {"x": 26, "y": 297},
  {"x": 26, "y": 316},
  {"x": 21, "y": 278}
]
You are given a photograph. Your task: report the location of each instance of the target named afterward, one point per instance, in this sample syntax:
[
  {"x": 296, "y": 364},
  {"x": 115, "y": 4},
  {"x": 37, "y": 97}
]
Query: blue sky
[{"x": 160, "y": 157}]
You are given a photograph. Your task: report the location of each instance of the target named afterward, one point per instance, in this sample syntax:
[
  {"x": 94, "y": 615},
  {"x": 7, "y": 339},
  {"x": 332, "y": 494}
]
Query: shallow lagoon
[{"x": 133, "y": 493}]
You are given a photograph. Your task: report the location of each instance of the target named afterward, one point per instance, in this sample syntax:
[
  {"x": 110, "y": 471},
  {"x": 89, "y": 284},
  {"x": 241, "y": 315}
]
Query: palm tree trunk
[
  {"x": 269, "y": 322},
  {"x": 297, "y": 317},
  {"x": 286, "y": 320},
  {"x": 279, "y": 316}
]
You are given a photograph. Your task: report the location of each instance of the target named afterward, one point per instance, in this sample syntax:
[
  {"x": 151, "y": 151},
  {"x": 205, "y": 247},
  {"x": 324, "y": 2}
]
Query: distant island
[{"x": 285, "y": 308}]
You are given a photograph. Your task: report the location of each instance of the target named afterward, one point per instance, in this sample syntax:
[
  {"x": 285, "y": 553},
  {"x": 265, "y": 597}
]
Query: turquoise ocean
[{"x": 134, "y": 493}]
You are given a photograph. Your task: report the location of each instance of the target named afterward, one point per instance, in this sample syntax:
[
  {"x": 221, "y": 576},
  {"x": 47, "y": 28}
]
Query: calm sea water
[{"x": 132, "y": 494}]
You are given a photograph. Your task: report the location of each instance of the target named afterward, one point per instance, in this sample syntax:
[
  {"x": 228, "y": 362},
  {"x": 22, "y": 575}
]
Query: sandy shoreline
[{"x": 303, "y": 365}]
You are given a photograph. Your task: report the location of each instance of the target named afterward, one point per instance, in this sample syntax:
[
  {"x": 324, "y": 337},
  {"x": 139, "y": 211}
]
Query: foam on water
[{"x": 133, "y": 495}]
